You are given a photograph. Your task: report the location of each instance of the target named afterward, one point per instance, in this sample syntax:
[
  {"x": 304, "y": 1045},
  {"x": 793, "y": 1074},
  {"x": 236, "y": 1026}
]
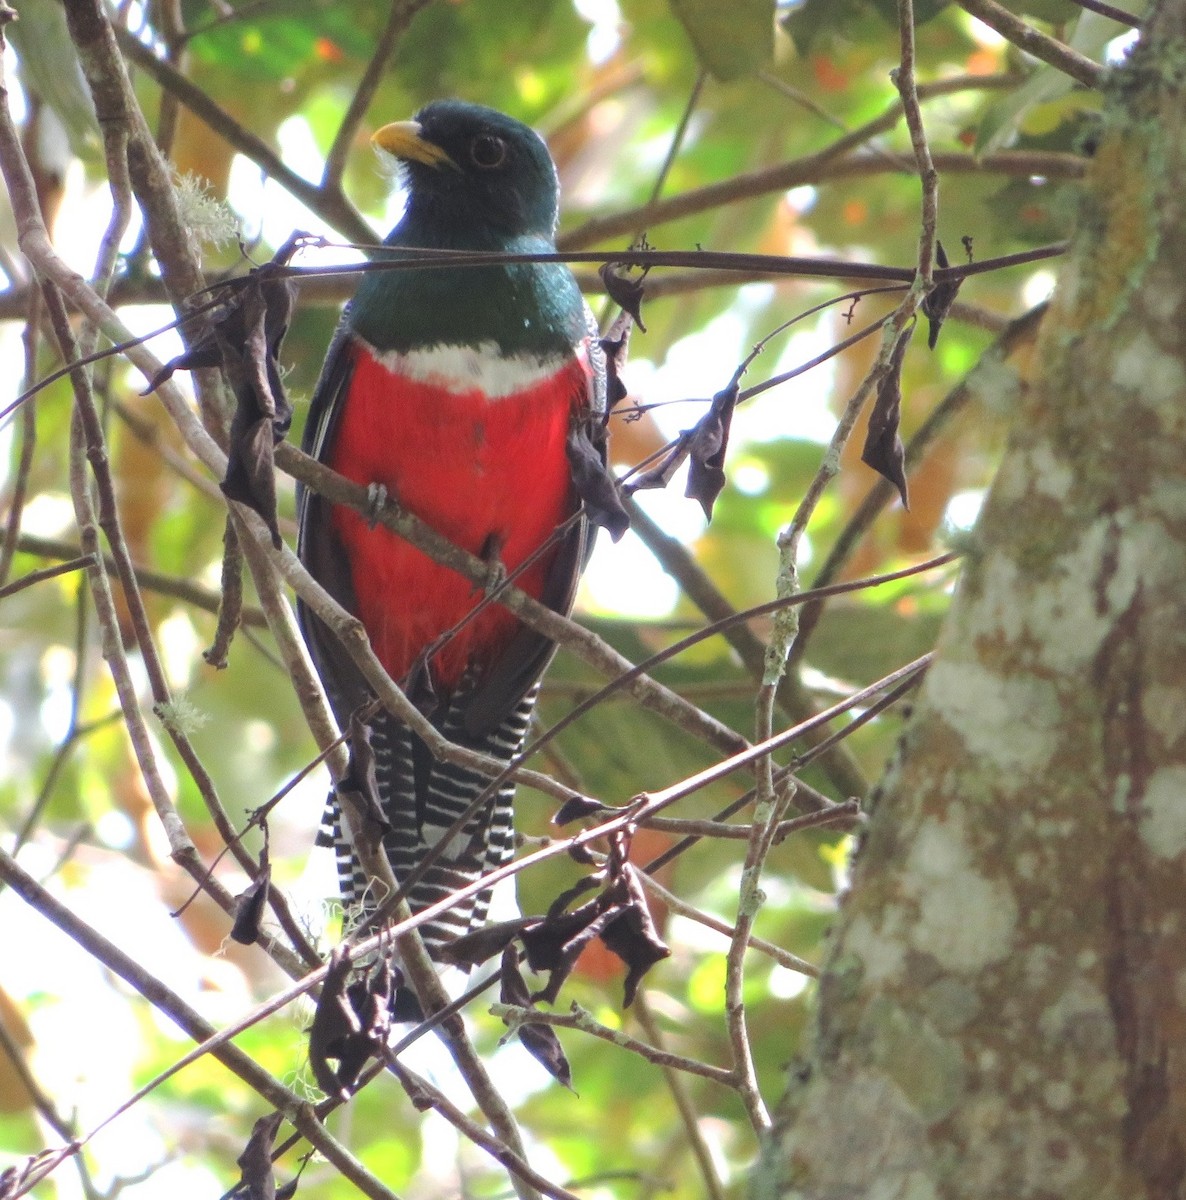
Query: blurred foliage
[{"x": 608, "y": 87}]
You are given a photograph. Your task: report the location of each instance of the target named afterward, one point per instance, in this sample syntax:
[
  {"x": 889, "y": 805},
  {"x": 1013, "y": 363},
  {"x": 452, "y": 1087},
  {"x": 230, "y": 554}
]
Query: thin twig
[
  {"x": 580, "y": 1018},
  {"x": 1110, "y": 11},
  {"x": 399, "y": 17},
  {"x": 194, "y": 1025},
  {"x": 847, "y": 811},
  {"x": 689, "y": 912},
  {"x": 907, "y": 87},
  {"x": 1025, "y": 37},
  {"x": 148, "y": 580},
  {"x": 677, "y": 560},
  {"x": 80, "y": 563},
  {"x": 988, "y": 369},
  {"x": 654, "y": 801},
  {"x": 28, "y": 436},
  {"x": 424, "y": 1095},
  {"x": 688, "y": 1112},
  {"x": 831, "y": 164},
  {"x": 331, "y": 206}
]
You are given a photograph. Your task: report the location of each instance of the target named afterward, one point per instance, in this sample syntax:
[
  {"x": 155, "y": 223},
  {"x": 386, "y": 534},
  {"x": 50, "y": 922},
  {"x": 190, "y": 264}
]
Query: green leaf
[{"x": 731, "y": 40}]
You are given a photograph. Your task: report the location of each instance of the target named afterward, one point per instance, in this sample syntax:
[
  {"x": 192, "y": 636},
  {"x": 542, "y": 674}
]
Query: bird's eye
[{"x": 488, "y": 151}]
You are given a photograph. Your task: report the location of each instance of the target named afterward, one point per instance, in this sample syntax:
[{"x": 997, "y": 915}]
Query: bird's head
[{"x": 474, "y": 170}]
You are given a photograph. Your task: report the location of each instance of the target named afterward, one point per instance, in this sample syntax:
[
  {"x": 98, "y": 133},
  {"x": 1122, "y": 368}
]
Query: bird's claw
[
  {"x": 376, "y": 499},
  {"x": 496, "y": 576},
  {"x": 496, "y": 572}
]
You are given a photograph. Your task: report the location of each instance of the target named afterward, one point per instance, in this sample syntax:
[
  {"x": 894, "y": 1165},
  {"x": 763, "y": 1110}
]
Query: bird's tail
[{"x": 422, "y": 798}]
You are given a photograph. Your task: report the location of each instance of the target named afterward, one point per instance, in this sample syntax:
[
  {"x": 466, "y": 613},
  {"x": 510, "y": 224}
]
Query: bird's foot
[
  {"x": 496, "y": 572},
  {"x": 376, "y": 499},
  {"x": 496, "y": 576}
]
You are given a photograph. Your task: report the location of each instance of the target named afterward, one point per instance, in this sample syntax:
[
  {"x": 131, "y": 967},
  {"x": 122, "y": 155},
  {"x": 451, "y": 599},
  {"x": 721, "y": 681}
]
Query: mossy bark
[{"x": 1004, "y": 1009}]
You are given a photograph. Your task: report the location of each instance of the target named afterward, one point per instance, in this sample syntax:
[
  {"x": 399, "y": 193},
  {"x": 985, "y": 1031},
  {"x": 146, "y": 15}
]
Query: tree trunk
[{"x": 1004, "y": 1009}]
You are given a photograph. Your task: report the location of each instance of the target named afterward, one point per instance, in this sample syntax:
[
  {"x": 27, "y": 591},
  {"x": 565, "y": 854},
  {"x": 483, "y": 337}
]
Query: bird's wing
[
  {"x": 422, "y": 797},
  {"x": 317, "y": 547}
]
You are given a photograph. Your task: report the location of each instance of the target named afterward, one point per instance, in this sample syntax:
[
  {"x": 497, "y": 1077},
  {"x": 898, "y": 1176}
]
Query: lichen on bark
[{"x": 1004, "y": 1007}]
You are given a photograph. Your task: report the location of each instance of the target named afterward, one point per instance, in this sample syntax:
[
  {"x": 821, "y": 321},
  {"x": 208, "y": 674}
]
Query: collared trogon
[{"x": 459, "y": 390}]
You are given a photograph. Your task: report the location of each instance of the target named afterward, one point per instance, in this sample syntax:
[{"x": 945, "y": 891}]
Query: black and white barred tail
[{"x": 422, "y": 798}]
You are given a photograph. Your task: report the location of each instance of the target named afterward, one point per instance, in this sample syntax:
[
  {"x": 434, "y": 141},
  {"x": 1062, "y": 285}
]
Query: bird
[{"x": 459, "y": 392}]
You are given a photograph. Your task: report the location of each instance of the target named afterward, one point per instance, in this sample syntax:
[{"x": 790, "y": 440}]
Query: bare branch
[
  {"x": 580, "y": 1018},
  {"x": 907, "y": 87},
  {"x": 1025, "y": 37},
  {"x": 399, "y": 17},
  {"x": 329, "y": 204},
  {"x": 173, "y": 1006}
]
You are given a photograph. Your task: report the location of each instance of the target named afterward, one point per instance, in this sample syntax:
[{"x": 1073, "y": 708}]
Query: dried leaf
[
  {"x": 539, "y": 1040},
  {"x": 230, "y": 598},
  {"x": 562, "y": 902},
  {"x": 360, "y": 780},
  {"x": 260, "y": 287},
  {"x": 631, "y": 934},
  {"x": 333, "y": 1022},
  {"x": 351, "y": 1023},
  {"x": 250, "y": 904},
  {"x": 615, "y": 346},
  {"x": 546, "y": 938},
  {"x": 512, "y": 987},
  {"x": 577, "y": 807},
  {"x": 555, "y": 943},
  {"x": 256, "y": 1160},
  {"x": 625, "y": 292},
  {"x": 245, "y": 338},
  {"x": 938, "y": 301},
  {"x": 262, "y": 411},
  {"x": 709, "y": 442},
  {"x": 543, "y": 1044},
  {"x": 473, "y": 949},
  {"x": 659, "y": 476},
  {"x": 250, "y": 476},
  {"x": 593, "y": 480},
  {"x": 883, "y": 445}
]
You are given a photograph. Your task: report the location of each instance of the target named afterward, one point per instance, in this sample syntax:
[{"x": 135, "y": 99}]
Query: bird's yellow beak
[{"x": 404, "y": 139}]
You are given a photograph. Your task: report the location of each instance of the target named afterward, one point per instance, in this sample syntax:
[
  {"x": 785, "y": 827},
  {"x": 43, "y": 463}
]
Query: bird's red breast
[{"x": 482, "y": 471}]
